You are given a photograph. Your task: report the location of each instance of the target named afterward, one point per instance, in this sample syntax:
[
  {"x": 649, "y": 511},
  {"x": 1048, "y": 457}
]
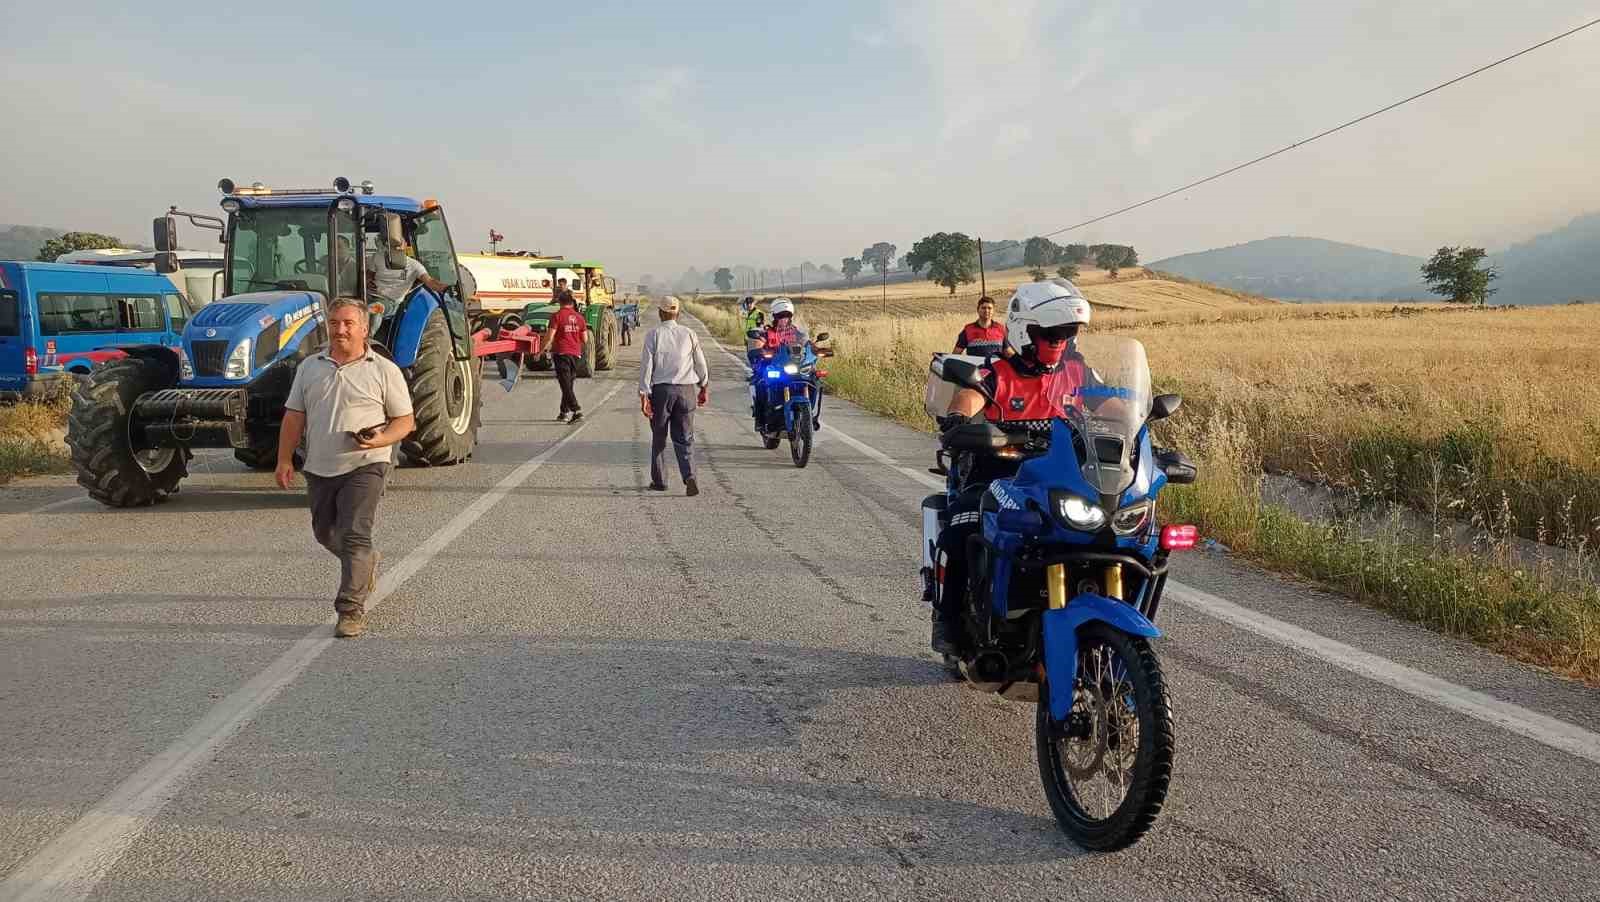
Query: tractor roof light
[
  {"x": 347, "y": 204},
  {"x": 231, "y": 205},
  {"x": 341, "y": 185},
  {"x": 367, "y": 186},
  {"x": 225, "y": 186}
]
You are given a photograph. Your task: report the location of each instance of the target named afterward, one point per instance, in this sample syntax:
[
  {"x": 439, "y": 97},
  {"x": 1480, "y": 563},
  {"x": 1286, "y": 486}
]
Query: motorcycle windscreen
[{"x": 1109, "y": 403}]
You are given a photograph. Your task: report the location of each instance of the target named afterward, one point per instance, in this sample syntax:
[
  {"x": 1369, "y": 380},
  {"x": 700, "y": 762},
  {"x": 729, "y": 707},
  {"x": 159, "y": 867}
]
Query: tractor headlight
[
  {"x": 790, "y": 368},
  {"x": 1076, "y": 512},
  {"x": 185, "y": 368},
  {"x": 238, "y": 362},
  {"x": 1131, "y": 519}
]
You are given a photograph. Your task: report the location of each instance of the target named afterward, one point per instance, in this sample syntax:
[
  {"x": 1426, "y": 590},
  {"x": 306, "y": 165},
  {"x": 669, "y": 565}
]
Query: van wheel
[{"x": 97, "y": 432}]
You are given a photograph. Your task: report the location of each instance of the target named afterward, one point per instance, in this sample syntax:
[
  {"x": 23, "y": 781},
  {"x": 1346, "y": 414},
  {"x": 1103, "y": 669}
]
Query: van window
[
  {"x": 10, "y": 314},
  {"x": 69, "y": 314},
  {"x": 178, "y": 310},
  {"x": 144, "y": 314},
  {"x": 66, "y": 314}
]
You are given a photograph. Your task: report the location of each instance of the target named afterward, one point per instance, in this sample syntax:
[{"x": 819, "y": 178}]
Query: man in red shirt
[
  {"x": 985, "y": 337},
  {"x": 565, "y": 336}
]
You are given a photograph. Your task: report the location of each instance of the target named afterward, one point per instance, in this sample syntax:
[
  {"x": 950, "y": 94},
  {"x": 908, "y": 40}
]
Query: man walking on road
[
  {"x": 351, "y": 405},
  {"x": 565, "y": 337},
  {"x": 673, "y": 381}
]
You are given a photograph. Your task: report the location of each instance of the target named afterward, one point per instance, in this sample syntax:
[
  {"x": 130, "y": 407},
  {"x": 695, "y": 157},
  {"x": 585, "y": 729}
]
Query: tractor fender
[
  {"x": 1060, "y": 638},
  {"x": 167, "y": 357},
  {"x": 406, "y": 336}
]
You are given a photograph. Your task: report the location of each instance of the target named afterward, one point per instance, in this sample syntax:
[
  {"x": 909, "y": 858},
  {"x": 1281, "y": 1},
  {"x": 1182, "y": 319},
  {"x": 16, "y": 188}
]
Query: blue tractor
[{"x": 135, "y": 423}]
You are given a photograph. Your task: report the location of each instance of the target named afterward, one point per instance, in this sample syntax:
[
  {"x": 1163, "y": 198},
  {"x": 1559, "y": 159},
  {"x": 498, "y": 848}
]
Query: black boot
[{"x": 944, "y": 636}]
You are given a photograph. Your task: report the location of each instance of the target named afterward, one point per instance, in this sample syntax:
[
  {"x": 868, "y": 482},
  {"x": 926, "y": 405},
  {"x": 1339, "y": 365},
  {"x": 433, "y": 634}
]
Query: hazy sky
[{"x": 656, "y": 136}]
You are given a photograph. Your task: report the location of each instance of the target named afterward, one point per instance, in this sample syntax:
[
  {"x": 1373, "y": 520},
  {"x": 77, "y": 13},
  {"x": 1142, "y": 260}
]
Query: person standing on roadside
[
  {"x": 565, "y": 336},
  {"x": 673, "y": 381},
  {"x": 351, "y": 405},
  {"x": 985, "y": 336}
]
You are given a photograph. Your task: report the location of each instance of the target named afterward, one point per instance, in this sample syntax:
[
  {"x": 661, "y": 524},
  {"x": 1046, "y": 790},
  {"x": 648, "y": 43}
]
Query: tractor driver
[{"x": 391, "y": 275}]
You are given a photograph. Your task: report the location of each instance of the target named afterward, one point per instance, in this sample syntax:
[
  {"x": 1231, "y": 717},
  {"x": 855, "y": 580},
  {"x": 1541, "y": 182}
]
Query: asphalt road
[{"x": 573, "y": 688}]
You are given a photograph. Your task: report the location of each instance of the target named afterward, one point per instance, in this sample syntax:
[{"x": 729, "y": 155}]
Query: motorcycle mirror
[
  {"x": 960, "y": 372},
  {"x": 822, "y": 336},
  {"x": 1165, "y": 406},
  {"x": 753, "y": 333}
]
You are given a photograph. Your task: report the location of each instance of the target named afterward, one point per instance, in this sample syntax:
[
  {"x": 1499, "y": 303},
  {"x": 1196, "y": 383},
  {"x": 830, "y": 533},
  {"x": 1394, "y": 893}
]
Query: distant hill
[
  {"x": 1310, "y": 269},
  {"x": 1552, "y": 268},
  {"x": 18, "y": 242}
]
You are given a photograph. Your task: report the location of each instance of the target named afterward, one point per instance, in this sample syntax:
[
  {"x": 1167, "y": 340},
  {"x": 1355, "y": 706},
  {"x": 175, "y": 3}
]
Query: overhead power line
[{"x": 1323, "y": 134}]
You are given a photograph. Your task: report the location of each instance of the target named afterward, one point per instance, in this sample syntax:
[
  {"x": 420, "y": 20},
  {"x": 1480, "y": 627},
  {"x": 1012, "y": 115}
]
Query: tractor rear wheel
[
  {"x": 445, "y": 399},
  {"x": 606, "y": 356},
  {"x": 586, "y": 362},
  {"x": 97, "y": 432}
]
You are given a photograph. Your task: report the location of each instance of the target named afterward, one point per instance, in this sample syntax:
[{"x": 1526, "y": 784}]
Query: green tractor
[{"x": 596, "y": 293}]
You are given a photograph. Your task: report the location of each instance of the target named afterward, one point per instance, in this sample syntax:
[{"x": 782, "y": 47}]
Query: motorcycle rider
[
  {"x": 782, "y": 333},
  {"x": 1032, "y": 386}
]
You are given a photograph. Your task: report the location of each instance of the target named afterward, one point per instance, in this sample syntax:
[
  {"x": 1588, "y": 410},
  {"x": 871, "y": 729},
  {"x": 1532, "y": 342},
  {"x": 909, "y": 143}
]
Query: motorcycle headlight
[
  {"x": 1077, "y": 512},
  {"x": 1131, "y": 519},
  {"x": 774, "y": 374},
  {"x": 238, "y": 362},
  {"x": 790, "y": 368}
]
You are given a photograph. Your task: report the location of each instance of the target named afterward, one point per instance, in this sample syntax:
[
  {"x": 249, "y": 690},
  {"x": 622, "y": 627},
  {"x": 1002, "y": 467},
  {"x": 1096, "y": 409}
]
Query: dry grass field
[{"x": 30, "y": 438}]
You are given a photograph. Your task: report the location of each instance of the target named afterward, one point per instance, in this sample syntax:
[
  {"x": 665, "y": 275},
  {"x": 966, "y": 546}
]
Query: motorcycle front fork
[{"x": 1055, "y": 578}]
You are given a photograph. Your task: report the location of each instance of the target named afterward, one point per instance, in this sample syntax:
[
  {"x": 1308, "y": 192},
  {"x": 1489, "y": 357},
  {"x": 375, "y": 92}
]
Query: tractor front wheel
[{"x": 97, "y": 432}]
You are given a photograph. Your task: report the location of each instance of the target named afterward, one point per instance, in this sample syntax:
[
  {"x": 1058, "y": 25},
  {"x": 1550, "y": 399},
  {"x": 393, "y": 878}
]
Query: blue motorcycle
[
  {"x": 785, "y": 394},
  {"x": 1054, "y": 526}
]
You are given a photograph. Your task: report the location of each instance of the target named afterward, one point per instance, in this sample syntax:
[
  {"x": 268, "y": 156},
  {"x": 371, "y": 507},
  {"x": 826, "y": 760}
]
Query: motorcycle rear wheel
[{"x": 1107, "y": 770}]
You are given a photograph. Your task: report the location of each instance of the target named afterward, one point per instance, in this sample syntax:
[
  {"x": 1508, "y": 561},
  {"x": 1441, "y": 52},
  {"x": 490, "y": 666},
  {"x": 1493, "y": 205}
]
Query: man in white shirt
[
  {"x": 671, "y": 367},
  {"x": 390, "y": 282},
  {"x": 352, "y": 405}
]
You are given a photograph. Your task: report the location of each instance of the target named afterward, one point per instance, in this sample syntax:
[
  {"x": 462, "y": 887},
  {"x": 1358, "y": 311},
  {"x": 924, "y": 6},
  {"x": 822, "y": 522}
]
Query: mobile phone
[{"x": 367, "y": 434}]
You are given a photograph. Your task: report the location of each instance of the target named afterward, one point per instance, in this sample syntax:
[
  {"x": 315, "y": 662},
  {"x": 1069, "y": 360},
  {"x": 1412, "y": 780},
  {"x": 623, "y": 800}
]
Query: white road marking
[
  {"x": 74, "y": 862},
  {"x": 1558, "y": 734},
  {"x": 1549, "y": 731}
]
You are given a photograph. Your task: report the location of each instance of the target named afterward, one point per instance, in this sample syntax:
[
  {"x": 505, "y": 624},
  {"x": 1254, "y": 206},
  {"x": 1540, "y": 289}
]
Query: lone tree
[
  {"x": 75, "y": 241},
  {"x": 1112, "y": 257},
  {"x": 1039, "y": 253},
  {"x": 1454, "y": 273},
  {"x": 951, "y": 259},
  {"x": 1067, "y": 271},
  {"x": 880, "y": 257},
  {"x": 851, "y": 267},
  {"x": 723, "y": 278}
]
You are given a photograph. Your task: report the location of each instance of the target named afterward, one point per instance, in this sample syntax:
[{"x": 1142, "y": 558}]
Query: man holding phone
[{"x": 351, "y": 405}]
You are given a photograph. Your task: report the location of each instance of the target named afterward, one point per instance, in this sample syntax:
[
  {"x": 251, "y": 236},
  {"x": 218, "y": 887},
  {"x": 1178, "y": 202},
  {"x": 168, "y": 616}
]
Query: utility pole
[{"x": 983, "y": 281}]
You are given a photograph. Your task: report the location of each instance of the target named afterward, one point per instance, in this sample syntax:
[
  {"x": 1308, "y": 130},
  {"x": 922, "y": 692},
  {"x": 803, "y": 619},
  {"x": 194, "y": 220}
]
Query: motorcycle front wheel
[
  {"x": 800, "y": 438},
  {"x": 1107, "y": 769}
]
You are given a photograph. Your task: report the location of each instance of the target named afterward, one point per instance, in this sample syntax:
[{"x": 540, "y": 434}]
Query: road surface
[{"x": 574, "y": 688}]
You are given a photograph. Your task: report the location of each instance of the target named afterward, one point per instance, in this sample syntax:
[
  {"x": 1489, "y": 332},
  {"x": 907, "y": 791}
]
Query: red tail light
[
  {"x": 1179, "y": 538},
  {"x": 30, "y": 361}
]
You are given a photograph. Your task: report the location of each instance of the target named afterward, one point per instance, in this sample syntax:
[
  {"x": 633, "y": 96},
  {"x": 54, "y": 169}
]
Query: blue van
[{"x": 58, "y": 320}]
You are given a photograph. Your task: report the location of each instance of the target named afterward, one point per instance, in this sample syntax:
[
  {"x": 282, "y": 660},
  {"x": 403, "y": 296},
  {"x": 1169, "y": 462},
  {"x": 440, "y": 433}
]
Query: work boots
[{"x": 351, "y": 624}]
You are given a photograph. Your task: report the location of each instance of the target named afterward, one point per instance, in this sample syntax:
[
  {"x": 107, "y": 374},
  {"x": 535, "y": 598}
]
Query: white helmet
[
  {"x": 780, "y": 306},
  {"x": 1046, "y": 305}
]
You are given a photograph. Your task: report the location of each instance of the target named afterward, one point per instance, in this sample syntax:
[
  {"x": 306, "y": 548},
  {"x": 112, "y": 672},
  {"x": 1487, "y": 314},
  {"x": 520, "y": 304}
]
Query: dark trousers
[
  {"x": 672, "y": 409},
  {"x": 343, "y": 510},
  {"x": 627, "y": 334},
  {"x": 566, "y": 373}
]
